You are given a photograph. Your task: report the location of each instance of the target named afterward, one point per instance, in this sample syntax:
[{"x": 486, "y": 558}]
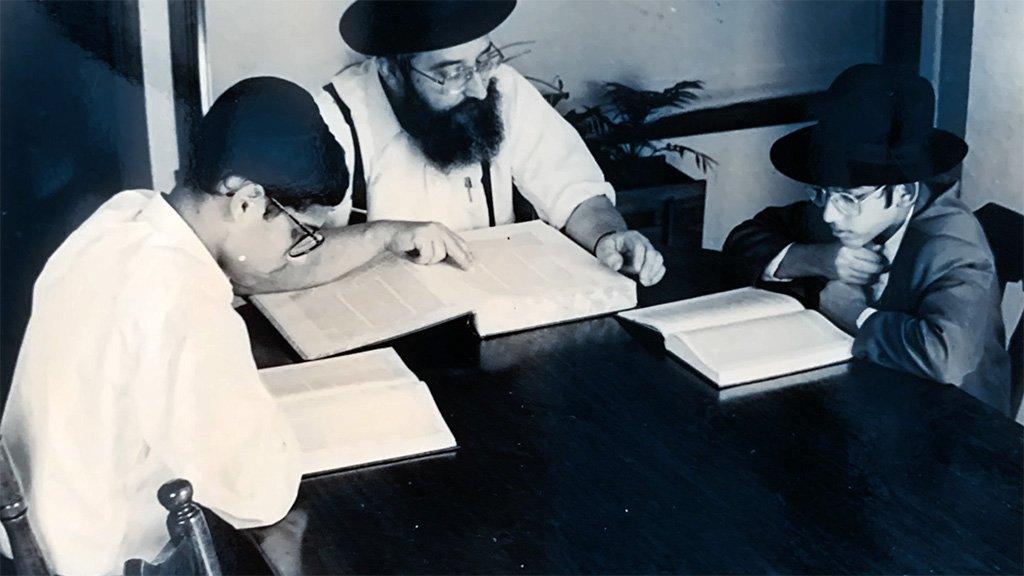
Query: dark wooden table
[{"x": 584, "y": 448}]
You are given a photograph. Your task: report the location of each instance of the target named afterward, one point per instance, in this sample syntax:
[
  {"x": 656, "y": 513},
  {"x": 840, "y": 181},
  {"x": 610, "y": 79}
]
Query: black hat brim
[
  {"x": 406, "y": 27},
  {"x": 798, "y": 156}
]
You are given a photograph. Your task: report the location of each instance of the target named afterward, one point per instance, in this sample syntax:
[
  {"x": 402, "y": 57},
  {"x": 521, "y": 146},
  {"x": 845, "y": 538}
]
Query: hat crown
[
  {"x": 870, "y": 104},
  {"x": 378, "y": 28},
  {"x": 874, "y": 127}
]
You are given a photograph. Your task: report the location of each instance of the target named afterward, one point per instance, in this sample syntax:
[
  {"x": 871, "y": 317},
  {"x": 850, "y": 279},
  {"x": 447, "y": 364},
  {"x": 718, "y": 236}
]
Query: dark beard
[{"x": 466, "y": 134}]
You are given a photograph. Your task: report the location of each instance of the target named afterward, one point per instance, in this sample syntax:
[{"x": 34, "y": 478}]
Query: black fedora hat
[
  {"x": 874, "y": 127},
  {"x": 379, "y": 28}
]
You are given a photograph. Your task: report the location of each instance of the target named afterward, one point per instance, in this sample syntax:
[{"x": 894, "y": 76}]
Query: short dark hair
[{"x": 270, "y": 131}]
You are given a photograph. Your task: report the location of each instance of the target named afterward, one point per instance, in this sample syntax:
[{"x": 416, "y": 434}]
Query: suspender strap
[
  {"x": 485, "y": 179},
  {"x": 358, "y": 215}
]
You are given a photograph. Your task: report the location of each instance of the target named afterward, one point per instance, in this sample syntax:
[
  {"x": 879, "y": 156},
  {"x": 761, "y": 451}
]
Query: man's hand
[
  {"x": 860, "y": 266},
  {"x": 843, "y": 303},
  {"x": 429, "y": 243},
  {"x": 632, "y": 253}
]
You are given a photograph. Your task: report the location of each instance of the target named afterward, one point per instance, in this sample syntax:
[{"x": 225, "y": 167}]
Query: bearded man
[{"x": 441, "y": 128}]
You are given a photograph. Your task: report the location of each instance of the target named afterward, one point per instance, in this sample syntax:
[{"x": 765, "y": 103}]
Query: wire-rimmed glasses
[
  {"x": 311, "y": 238},
  {"x": 843, "y": 201},
  {"x": 456, "y": 78}
]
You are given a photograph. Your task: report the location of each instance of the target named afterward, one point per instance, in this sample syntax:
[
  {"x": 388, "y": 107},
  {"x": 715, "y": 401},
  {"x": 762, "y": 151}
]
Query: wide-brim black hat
[
  {"x": 379, "y": 28},
  {"x": 874, "y": 127}
]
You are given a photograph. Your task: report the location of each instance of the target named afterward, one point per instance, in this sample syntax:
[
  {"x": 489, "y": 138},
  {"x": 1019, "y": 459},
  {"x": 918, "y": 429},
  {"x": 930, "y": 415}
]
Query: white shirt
[
  {"x": 135, "y": 370},
  {"x": 542, "y": 153},
  {"x": 889, "y": 250}
]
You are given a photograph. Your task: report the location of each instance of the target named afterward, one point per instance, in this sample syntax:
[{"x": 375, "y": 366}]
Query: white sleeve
[
  {"x": 213, "y": 423},
  {"x": 551, "y": 165},
  {"x": 864, "y": 316},
  {"x": 769, "y": 271}
]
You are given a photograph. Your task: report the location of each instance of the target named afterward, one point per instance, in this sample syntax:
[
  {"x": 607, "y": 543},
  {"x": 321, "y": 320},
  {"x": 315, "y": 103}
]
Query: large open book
[
  {"x": 526, "y": 275},
  {"x": 745, "y": 335},
  {"x": 358, "y": 409}
]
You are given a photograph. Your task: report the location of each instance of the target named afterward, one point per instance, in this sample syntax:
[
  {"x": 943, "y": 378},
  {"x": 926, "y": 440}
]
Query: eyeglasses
[
  {"x": 456, "y": 78},
  {"x": 311, "y": 238},
  {"x": 842, "y": 200}
]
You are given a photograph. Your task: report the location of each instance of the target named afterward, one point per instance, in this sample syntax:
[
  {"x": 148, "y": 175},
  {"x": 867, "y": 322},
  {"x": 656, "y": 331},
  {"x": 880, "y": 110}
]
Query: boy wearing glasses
[
  {"x": 904, "y": 268},
  {"x": 135, "y": 369},
  {"x": 440, "y": 129}
]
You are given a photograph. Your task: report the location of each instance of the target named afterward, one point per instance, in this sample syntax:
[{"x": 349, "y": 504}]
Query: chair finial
[{"x": 175, "y": 495}]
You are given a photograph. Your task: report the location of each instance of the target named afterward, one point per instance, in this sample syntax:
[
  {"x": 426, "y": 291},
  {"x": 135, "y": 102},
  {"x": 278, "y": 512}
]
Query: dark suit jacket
[{"x": 939, "y": 316}]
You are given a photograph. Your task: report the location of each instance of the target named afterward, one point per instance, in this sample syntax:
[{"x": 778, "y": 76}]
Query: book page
[
  {"x": 384, "y": 299},
  {"x": 529, "y": 258},
  {"x": 767, "y": 387},
  {"x": 529, "y": 275},
  {"x": 525, "y": 275},
  {"x": 764, "y": 347},
  {"x": 326, "y": 376},
  {"x": 713, "y": 310},
  {"x": 356, "y": 410}
]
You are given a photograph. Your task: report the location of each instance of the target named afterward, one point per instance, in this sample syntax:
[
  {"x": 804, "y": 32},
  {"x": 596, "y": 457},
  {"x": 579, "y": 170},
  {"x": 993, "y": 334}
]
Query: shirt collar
[
  {"x": 379, "y": 107},
  {"x": 892, "y": 245},
  {"x": 176, "y": 232}
]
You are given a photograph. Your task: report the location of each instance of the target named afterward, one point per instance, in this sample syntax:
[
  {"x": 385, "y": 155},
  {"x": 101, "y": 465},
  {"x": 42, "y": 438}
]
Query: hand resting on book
[{"x": 429, "y": 243}]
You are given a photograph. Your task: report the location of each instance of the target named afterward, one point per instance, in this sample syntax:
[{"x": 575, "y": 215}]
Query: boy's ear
[
  {"x": 906, "y": 194},
  {"x": 245, "y": 197}
]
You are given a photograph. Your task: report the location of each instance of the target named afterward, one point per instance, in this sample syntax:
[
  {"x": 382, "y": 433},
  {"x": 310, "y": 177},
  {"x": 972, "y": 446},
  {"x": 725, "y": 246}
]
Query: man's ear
[
  {"x": 245, "y": 197},
  {"x": 390, "y": 72}
]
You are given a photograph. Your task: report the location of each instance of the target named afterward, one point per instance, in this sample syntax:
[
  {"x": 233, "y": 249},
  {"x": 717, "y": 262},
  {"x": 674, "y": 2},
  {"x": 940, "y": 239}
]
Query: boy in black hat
[
  {"x": 440, "y": 128},
  {"x": 905, "y": 269}
]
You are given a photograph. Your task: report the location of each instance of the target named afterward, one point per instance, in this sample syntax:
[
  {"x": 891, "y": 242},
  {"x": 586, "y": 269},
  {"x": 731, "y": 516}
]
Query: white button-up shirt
[
  {"x": 542, "y": 154},
  {"x": 135, "y": 370}
]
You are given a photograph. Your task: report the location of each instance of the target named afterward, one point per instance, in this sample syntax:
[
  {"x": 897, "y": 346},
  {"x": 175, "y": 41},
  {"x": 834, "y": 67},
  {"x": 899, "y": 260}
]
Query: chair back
[
  {"x": 1004, "y": 229},
  {"x": 191, "y": 549},
  {"x": 28, "y": 557}
]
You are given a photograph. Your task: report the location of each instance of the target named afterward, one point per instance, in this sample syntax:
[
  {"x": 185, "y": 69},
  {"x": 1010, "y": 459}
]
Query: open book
[
  {"x": 745, "y": 335},
  {"x": 359, "y": 409},
  {"x": 526, "y": 275}
]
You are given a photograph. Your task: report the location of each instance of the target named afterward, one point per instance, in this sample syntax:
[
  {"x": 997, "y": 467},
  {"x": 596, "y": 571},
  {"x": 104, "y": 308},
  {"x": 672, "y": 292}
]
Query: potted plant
[{"x": 612, "y": 130}]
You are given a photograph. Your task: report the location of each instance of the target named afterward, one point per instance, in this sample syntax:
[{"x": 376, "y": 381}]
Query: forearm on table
[
  {"x": 802, "y": 261},
  {"x": 344, "y": 249},
  {"x": 922, "y": 346},
  {"x": 591, "y": 220}
]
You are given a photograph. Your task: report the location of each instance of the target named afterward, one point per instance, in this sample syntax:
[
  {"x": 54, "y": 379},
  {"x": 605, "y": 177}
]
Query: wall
[
  {"x": 994, "y": 168},
  {"x": 745, "y": 181},
  {"x": 741, "y": 49},
  {"x": 154, "y": 22}
]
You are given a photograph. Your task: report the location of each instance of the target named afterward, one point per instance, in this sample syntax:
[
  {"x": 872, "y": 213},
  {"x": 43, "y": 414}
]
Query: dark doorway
[{"x": 73, "y": 133}]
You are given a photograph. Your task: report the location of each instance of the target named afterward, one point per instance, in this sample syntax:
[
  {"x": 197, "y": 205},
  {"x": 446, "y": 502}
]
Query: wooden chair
[
  {"x": 191, "y": 549},
  {"x": 28, "y": 557}
]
